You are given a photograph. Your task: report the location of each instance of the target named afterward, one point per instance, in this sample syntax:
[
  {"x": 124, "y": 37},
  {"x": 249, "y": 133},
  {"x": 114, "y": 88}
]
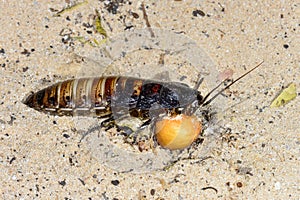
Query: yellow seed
[{"x": 177, "y": 132}]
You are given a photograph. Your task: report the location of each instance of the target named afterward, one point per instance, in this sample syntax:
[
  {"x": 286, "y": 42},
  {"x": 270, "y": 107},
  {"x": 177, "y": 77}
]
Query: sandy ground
[{"x": 40, "y": 155}]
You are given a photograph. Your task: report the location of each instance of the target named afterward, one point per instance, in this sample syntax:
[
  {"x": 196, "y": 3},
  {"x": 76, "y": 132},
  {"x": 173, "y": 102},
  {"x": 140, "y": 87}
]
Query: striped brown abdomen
[{"x": 86, "y": 97}]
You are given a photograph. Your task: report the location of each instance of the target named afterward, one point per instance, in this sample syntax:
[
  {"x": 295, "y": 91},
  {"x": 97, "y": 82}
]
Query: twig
[{"x": 147, "y": 21}]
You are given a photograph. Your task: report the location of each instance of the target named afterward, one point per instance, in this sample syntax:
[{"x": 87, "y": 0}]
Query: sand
[{"x": 41, "y": 155}]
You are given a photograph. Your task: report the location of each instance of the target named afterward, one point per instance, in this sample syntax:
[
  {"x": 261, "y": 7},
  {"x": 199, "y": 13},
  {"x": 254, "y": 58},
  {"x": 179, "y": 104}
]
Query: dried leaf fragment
[
  {"x": 98, "y": 25},
  {"x": 285, "y": 96},
  {"x": 70, "y": 8}
]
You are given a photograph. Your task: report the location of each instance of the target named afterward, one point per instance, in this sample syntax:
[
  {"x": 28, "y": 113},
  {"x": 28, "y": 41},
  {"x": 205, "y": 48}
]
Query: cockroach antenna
[{"x": 205, "y": 102}]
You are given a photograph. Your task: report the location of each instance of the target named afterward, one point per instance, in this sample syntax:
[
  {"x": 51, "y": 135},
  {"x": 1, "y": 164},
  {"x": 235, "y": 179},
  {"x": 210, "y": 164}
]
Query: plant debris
[
  {"x": 70, "y": 8},
  {"x": 285, "y": 96},
  {"x": 98, "y": 25}
]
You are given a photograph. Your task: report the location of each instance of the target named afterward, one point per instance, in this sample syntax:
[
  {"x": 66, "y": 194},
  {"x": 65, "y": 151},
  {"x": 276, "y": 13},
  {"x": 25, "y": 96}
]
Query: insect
[
  {"x": 115, "y": 96},
  {"x": 96, "y": 97}
]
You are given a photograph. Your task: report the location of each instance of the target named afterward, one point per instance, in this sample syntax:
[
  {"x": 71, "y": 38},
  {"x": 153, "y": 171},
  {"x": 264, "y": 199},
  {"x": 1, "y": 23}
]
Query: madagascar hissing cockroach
[{"x": 114, "y": 96}]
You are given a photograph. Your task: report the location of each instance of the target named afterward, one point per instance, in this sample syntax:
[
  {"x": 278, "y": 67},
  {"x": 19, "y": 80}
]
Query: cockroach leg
[
  {"x": 125, "y": 130},
  {"x": 136, "y": 136},
  {"x": 145, "y": 124},
  {"x": 199, "y": 82},
  {"x": 108, "y": 123}
]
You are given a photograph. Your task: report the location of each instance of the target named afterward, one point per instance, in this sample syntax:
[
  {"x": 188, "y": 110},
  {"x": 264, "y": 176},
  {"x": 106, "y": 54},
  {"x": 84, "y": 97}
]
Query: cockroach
[
  {"x": 113, "y": 96},
  {"x": 98, "y": 97}
]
